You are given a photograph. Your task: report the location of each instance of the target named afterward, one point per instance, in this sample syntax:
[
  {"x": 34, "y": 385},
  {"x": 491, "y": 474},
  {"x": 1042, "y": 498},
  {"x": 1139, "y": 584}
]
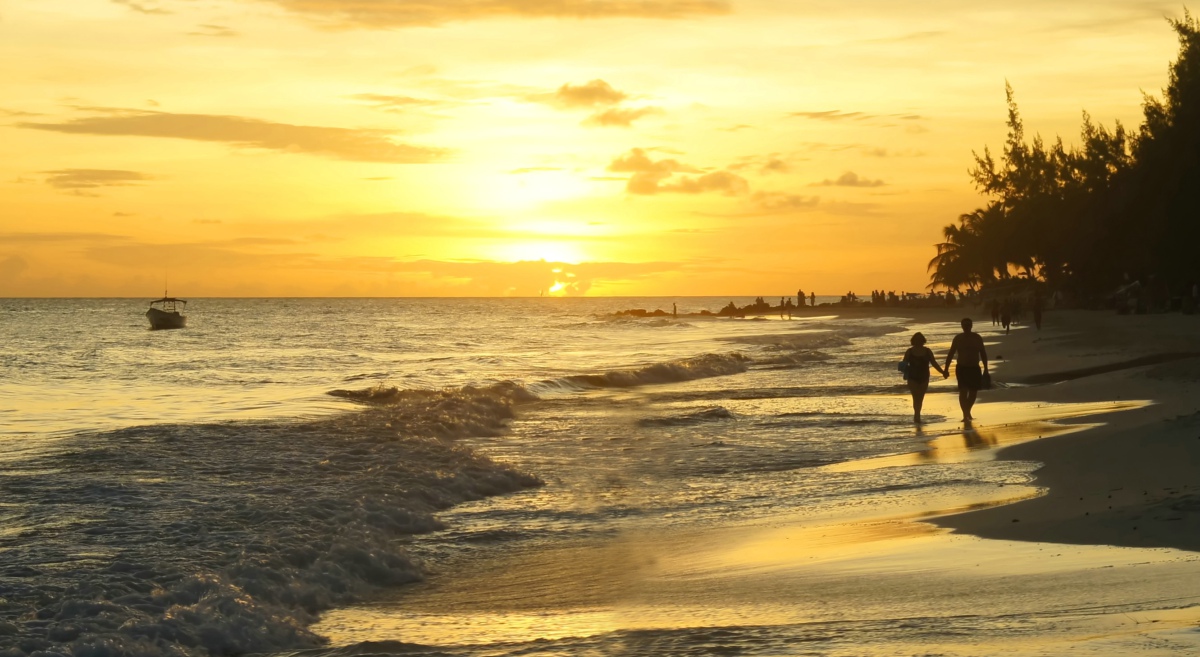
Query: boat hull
[{"x": 160, "y": 320}]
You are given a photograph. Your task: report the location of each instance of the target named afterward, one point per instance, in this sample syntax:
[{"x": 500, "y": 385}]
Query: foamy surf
[
  {"x": 231, "y": 538},
  {"x": 206, "y": 536}
]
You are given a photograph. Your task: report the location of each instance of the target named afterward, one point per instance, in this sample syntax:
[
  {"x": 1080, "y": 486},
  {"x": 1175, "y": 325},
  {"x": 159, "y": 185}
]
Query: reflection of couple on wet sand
[{"x": 971, "y": 352}]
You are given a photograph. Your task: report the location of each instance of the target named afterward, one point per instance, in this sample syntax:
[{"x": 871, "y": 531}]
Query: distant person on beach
[
  {"x": 920, "y": 359},
  {"x": 800, "y": 298},
  {"x": 969, "y": 348},
  {"x": 995, "y": 312},
  {"x": 1037, "y": 311},
  {"x": 1006, "y": 315},
  {"x": 812, "y": 297}
]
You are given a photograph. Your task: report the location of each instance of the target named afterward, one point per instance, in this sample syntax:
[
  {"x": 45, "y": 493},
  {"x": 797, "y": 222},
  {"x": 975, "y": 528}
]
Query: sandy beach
[{"x": 1093, "y": 555}]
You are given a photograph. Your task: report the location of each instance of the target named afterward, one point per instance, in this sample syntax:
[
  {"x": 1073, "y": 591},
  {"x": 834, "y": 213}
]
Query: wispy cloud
[
  {"x": 213, "y": 31},
  {"x": 833, "y": 115},
  {"x": 778, "y": 201},
  {"x": 61, "y": 238},
  {"x": 89, "y": 179},
  {"x": 376, "y": 14},
  {"x": 360, "y": 145},
  {"x": 849, "y": 179},
  {"x": 619, "y": 116},
  {"x": 762, "y": 164},
  {"x": 394, "y": 103},
  {"x": 141, "y": 8},
  {"x": 884, "y": 152}
]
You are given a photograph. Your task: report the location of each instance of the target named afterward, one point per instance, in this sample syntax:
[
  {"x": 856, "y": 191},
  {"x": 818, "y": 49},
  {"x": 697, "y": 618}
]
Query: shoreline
[
  {"x": 909, "y": 559},
  {"x": 1134, "y": 479}
]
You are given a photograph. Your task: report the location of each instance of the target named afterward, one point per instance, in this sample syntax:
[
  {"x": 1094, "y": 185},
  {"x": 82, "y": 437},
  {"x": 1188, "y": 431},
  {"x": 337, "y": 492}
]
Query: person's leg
[
  {"x": 964, "y": 404},
  {"x": 918, "y": 389},
  {"x": 969, "y": 404}
]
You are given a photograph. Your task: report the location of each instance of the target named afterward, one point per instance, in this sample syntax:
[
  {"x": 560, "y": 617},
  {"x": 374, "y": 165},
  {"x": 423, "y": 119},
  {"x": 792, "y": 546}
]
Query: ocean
[{"x": 396, "y": 476}]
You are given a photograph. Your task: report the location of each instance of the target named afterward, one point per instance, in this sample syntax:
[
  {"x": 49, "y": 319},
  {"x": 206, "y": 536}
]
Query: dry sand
[{"x": 1097, "y": 556}]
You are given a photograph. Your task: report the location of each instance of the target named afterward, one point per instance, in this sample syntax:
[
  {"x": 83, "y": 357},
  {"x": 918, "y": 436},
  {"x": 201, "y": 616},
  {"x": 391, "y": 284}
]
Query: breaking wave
[
  {"x": 686, "y": 369},
  {"x": 222, "y": 539}
]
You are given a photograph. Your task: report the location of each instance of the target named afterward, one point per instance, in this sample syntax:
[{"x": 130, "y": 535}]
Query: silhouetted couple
[{"x": 968, "y": 346}]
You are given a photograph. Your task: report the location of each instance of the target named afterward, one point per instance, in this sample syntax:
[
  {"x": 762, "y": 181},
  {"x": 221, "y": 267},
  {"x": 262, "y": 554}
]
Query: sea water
[{"x": 202, "y": 491}]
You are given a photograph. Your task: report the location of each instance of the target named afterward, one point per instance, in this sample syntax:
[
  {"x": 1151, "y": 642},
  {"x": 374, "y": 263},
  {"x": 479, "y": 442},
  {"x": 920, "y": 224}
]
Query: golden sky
[{"x": 511, "y": 147}]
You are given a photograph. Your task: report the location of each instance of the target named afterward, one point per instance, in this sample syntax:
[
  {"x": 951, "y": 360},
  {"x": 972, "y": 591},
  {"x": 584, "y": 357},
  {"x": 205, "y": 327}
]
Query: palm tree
[{"x": 971, "y": 254}]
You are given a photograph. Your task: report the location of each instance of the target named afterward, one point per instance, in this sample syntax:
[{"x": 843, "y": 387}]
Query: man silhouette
[{"x": 970, "y": 350}]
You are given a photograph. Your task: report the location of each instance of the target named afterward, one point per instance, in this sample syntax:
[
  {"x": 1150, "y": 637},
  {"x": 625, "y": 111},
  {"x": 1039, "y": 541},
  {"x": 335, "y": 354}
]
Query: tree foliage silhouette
[{"x": 1087, "y": 217}]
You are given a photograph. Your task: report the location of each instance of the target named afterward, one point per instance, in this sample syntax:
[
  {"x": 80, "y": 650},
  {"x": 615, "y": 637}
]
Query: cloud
[
  {"x": 762, "y": 164},
  {"x": 56, "y": 238},
  {"x": 637, "y": 161},
  {"x": 883, "y": 152},
  {"x": 619, "y": 116},
  {"x": 725, "y": 182},
  {"x": 359, "y": 145},
  {"x": 141, "y": 8},
  {"x": 833, "y": 115},
  {"x": 212, "y": 31},
  {"x": 234, "y": 258},
  {"x": 658, "y": 176},
  {"x": 911, "y": 36},
  {"x": 849, "y": 179},
  {"x": 529, "y": 277},
  {"x": 784, "y": 201},
  {"x": 84, "y": 179},
  {"x": 390, "y": 103},
  {"x": 596, "y": 93},
  {"x": 380, "y": 14}
]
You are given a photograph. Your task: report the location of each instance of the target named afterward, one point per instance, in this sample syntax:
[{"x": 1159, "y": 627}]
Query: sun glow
[
  {"x": 548, "y": 251},
  {"x": 525, "y": 189}
]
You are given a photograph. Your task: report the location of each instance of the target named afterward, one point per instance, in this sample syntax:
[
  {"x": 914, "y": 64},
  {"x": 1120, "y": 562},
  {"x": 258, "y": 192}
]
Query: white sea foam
[
  {"x": 226, "y": 537},
  {"x": 230, "y": 538}
]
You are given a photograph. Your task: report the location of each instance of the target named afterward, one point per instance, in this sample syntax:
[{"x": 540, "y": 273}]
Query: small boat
[{"x": 164, "y": 314}]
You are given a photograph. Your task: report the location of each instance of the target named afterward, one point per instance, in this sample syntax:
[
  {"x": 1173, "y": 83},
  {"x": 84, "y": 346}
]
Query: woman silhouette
[{"x": 920, "y": 359}]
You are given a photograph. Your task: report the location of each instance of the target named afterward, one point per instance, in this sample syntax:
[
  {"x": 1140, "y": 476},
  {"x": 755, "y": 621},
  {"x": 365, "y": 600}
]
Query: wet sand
[
  {"x": 1134, "y": 480},
  {"x": 1096, "y": 555}
]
